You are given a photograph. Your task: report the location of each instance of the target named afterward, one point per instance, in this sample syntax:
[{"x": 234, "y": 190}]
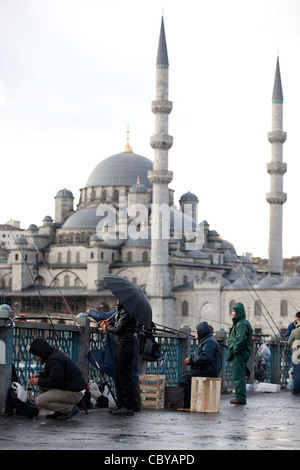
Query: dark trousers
[
  {"x": 296, "y": 376},
  {"x": 125, "y": 389},
  {"x": 185, "y": 381},
  {"x": 238, "y": 374}
]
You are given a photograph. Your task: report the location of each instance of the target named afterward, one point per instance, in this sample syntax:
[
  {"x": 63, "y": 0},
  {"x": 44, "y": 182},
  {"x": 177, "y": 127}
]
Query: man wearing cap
[
  {"x": 61, "y": 383},
  {"x": 238, "y": 352},
  {"x": 207, "y": 361}
]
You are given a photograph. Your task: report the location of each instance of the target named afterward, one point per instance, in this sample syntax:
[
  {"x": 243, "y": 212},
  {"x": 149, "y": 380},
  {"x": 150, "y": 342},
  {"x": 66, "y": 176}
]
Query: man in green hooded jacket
[{"x": 239, "y": 349}]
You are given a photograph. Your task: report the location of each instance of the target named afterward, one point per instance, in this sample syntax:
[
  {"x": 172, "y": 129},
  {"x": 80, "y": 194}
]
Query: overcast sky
[{"x": 74, "y": 73}]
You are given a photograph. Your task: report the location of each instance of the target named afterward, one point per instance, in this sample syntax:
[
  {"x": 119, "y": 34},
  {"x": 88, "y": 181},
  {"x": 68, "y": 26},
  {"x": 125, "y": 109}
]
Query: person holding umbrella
[
  {"x": 125, "y": 328},
  {"x": 133, "y": 309}
]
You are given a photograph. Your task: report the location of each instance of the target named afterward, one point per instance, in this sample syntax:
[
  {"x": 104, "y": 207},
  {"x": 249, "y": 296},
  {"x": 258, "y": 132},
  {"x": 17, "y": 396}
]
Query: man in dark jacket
[
  {"x": 105, "y": 357},
  {"x": 125, "y": 328},
  {"x": 61, "y": 383},
  {"x": 207, "y": 361},
  {"x": 238, "y": 352}
]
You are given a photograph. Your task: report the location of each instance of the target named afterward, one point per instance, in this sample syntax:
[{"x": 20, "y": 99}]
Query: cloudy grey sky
[{"x": 74, "y": 73}]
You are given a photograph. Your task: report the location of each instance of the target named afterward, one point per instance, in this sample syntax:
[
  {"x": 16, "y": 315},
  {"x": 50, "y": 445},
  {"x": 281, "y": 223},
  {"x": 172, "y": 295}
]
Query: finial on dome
[{"x": 127, "y": 147}]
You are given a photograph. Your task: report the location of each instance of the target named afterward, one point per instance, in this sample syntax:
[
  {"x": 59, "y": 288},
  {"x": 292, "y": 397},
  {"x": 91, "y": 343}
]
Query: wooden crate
[
  {"x": 152, "y": 388},
  {"x": 206, "y": 394}
]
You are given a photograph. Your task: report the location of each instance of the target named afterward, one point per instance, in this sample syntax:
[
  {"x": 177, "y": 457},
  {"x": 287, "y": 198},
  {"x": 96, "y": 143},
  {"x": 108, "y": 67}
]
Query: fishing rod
[
  {"x": 74, "y": 318},
  {"x": 254, "y": 299},
  {"x": 36, "y": 286},
  {"x": 262, "y": 303}
]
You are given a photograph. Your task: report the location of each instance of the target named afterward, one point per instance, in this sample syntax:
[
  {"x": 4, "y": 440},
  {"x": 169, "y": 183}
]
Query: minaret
[
  {"x": 159, "y": 285},
  {"x": 276, "y": 168}
]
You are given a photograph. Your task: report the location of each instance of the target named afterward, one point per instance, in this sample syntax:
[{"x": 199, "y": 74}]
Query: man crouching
[{"x": 61, "y": 383}]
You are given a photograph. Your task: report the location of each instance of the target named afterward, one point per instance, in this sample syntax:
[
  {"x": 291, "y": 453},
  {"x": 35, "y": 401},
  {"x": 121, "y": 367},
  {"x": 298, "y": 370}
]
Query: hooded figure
[
  {"x": 61, "y": 383},
  {"x": 206, "y": 362},
  {"x": 239, "y": 349}
]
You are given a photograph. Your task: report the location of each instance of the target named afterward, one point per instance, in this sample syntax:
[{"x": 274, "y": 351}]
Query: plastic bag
[{"x": 264, "y": 351}]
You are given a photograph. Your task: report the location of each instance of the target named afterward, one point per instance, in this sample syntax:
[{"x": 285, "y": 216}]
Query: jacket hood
[
  {"x": 240, "y": 311},
  {"x": 203, "y": 329},
  {"x": 40, "y": 347}
]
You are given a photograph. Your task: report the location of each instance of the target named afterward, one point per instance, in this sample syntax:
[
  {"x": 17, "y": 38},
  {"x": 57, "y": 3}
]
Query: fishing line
[
  {"x": 285, "y": 298},
  {"x": 74, "y": 318},
  {"x": 36, "y": 287},
  {"x": 261, "y": 301},
  {"x": 254, "y": 298}
]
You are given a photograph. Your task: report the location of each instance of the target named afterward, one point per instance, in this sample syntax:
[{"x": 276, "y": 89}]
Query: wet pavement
[{"x": 269, "y": 421}]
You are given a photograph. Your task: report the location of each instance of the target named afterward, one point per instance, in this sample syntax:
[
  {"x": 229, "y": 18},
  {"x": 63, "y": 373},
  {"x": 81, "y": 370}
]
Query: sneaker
[
  {"x": 68, "y": 416},
  {"x": 123, "y": 412},
  {"x": 54, "y": 415},
  {"x": 114, "y": 408}
]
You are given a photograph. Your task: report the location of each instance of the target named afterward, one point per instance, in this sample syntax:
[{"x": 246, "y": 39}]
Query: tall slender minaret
[
  {"x": 159, "y": 285},
  {"x": 276, "y": 168}
]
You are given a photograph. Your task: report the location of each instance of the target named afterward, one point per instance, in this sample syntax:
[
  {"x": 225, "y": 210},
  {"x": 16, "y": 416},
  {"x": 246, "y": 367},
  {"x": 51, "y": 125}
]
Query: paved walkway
[{"x": 268, "y": 421}]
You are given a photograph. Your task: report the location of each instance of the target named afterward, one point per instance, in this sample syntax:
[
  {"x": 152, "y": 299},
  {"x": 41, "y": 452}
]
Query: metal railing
[{"x": 176, "y": 345}]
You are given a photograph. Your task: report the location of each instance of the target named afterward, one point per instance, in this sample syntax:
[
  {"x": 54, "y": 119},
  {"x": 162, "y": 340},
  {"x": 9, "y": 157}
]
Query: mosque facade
[{"x": 126, "y": 224}]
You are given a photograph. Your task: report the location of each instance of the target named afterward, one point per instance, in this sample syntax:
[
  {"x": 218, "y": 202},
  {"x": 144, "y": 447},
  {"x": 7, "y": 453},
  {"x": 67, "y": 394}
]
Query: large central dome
[{"x": 122, "y": 169}]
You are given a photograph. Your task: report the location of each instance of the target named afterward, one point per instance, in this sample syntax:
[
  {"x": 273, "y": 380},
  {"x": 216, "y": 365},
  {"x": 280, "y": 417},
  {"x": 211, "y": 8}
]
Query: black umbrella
[{"x": 132, "y": 298}]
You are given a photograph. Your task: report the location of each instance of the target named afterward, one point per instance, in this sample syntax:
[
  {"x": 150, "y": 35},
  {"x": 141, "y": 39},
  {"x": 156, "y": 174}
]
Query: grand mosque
[{"x": 127, "y": 224}]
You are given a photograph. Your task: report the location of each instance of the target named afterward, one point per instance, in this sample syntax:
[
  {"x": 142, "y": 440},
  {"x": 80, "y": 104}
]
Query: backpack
[
  {"x": 260, "y": 370},
  {"x": 148, "y": 347},
  {"x": 18, "y": 400}
]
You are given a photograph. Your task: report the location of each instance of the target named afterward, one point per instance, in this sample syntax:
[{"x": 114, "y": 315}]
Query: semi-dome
[
  {"x": 268, "y": 281},
  {"x": 291, "y": 282},
  {"x": 122, "y": 169},
  {"x": 84, "y": 218},
  {"x": 228, "y": 246}
]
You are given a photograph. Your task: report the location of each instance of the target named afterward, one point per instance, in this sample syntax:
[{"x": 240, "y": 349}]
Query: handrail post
[{"x": 6, "y": 353}]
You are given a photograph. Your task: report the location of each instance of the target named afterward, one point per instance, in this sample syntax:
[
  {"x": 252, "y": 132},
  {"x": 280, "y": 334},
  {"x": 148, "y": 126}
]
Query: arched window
[
  {"x": 116, "y": 195},
  {"x": 257, "y": 308},
  {"x": 78, "y": 257},
  {"x": 39, "y": 281},
  {"x": 231, "y": 304},
  {"x": 59, "y": 258},
  {"x": 69, "y": 257},
  {"x": 145, "y": 256},
  {"x": 66, "y": 281},
  {"x": 129, "y": 256},
  {"x": 185, "y": 308},
  {"x": 283, "y": 308}
]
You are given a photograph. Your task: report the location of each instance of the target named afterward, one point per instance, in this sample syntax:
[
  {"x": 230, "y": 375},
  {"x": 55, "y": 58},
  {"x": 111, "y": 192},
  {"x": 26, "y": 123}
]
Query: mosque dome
[
  {"x": 225, "y": 283},
  {"x": 138, "y": 187},
  {"x": 189, "y": 197},
  {"x": 243, "y": 282},
  {"x": 33, "y": 227},
  {"x": 64, "y": 193},
  {"x": 84, "y": 218},
  {"x": 268, "y": 281},
  {"x": 228, "y": 246},
  {"x": 122, "y": 169},
  {"x": 291, "y": 282}
]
